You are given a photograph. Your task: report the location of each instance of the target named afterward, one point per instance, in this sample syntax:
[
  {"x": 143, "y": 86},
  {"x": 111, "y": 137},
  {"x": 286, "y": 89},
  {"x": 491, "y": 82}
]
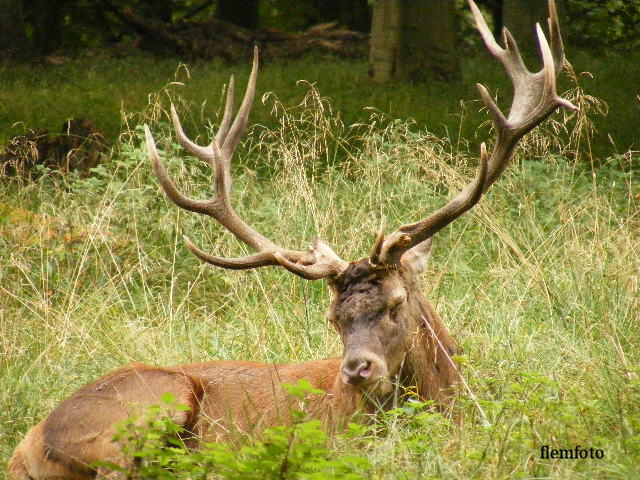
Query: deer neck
[{"x": 428, "y": 365}]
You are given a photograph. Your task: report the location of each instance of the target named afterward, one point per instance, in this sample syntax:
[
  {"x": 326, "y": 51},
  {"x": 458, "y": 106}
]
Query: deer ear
[{"x": 415, "y": 259}]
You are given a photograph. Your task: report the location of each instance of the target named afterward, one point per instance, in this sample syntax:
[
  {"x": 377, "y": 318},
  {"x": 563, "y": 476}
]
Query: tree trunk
[
  {"x": 243, "y": 13},
  {"x": 428, "y": 47},
  {"x": 46, "y": 21},
  {"x": 385, "y": 39},
  {"x": 12, "y": 33},
  {"x": 353, "y": 14},
  {"x": 415, "y": 40},
  {"x": 520, "y": 17}
]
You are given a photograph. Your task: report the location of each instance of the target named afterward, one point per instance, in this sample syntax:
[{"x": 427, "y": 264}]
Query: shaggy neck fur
[{"x": 428, "y": 365}]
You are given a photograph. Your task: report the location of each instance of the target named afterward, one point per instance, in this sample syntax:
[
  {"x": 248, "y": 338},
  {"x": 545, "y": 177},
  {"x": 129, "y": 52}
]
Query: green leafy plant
[{"x": 153, "y": 447}]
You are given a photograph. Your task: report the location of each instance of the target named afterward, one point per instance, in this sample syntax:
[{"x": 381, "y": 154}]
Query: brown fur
[{"x": 380, "y": 314}]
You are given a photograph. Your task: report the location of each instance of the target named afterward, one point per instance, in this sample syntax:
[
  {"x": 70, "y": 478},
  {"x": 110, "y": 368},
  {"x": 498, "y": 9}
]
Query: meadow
[
  {"x": 539, "y": 283},
  {"x": 112, "y": 89}
]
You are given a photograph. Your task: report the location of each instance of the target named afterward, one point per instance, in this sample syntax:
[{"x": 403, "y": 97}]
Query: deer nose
[{"x": 357, "y": 370}]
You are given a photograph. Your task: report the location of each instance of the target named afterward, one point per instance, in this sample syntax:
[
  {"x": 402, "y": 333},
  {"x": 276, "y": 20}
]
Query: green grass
[
  {"x": 539, "y": 283},
  {"x": 103, "y": 87}
]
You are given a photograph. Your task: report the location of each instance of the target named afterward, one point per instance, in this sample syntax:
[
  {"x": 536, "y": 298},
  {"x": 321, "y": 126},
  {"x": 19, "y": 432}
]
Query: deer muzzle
[{"x": 363, "y": 368}]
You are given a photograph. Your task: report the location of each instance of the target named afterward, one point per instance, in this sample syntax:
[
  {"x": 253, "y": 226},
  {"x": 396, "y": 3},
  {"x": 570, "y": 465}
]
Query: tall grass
[
  {"x": 103, "y": 87},
  {"x": 539, "y": 284}
]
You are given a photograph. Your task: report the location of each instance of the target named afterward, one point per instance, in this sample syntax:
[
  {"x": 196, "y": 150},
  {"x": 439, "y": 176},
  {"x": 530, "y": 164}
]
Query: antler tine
[
  {"x": 260, "y": 259},
  {"x": 240, "y": 123},
  {"x": 202, "y": 153},
  {"x": 319, "y": 262},
  {"x": 534, "y": 99},
  {"x": 512, "y": 59},
  {"x": 492, "y": 106},
  {"x": 206, "y": 153},
  {"x": 548, "y": 69},
  {"x": 489, "y": 40},
  {"x": 177, "y": 197},
  {"x": 315, "y": 264},
  {"x": 379, "y": 241},
  {"x": 228, "y": 136},
  {"x": 228, "y": 112},
  {"x": 557, "y": 46}
]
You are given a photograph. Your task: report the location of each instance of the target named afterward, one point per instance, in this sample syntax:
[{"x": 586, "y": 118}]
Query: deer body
[
  {"x": 225, "y": 399},
  {"x": 391, "y": 335}
]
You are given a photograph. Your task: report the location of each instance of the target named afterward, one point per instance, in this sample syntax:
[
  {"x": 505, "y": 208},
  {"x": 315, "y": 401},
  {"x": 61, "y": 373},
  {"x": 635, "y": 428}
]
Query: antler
[
  {"x": 318, "y": 262},
  {"x": 534, "y": 99}
]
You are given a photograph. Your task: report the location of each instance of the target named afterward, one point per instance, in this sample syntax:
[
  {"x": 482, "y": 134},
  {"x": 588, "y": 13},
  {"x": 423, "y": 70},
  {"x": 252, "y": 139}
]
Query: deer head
[{"x": 377, "y": 308}]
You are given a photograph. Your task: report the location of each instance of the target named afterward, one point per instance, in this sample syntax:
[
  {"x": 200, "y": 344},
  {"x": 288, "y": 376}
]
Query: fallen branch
[{"x": 215, "y": 38}]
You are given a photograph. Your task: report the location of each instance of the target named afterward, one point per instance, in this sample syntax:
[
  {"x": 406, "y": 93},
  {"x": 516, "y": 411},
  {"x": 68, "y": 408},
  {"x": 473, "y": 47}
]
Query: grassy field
[
  {"x": 104, "y": 88},
  {"x": 539, "y": 284}
]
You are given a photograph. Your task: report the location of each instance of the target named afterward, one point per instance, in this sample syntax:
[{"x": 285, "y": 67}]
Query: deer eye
[
  {"x": 395, "y": 306},
  {"x": 394, "y": 310}
]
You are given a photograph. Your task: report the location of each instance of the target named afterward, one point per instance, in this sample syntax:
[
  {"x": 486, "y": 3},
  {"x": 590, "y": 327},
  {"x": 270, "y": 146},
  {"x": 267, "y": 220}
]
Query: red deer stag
[{"x": 391, "y": 334}]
